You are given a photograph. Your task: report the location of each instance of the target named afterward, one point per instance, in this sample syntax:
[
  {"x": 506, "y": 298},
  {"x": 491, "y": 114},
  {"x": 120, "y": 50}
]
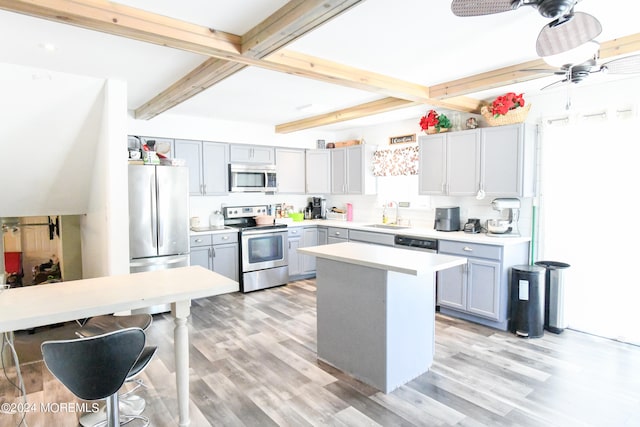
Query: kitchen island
[{"x": 376, "y": 310}]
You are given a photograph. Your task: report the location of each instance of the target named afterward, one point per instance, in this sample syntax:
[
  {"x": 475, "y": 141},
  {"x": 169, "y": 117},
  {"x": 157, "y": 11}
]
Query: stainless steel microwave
[{"x": 252, "y": 178}]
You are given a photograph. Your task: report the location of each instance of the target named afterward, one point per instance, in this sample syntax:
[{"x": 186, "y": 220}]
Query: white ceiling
[{"x": 414, "y": 40}]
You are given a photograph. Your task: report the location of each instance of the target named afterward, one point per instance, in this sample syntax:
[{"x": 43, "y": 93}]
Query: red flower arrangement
[
  {"x": 502, "y": 104},
  {"x": 434, "y": 120}
]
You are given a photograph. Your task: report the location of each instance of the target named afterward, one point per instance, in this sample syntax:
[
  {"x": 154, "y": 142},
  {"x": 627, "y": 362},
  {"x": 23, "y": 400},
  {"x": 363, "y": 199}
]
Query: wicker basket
[
  {"x": 518, "y": 115},
  {"x": 431, "y": 131}
]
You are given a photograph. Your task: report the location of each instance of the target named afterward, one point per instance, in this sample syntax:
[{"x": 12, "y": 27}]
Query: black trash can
[
  {"x": 527, "y": 301},
  {"x": 554, "y": 291}
]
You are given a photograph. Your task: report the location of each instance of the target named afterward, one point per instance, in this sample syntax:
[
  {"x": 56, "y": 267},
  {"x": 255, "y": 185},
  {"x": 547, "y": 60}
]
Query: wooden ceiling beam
[
  {"x": 291, "y": 21},
  {"x": 524, "y": 72},
  {"x": 362, "y": 110},
  {"x": 137, "y": 24}
]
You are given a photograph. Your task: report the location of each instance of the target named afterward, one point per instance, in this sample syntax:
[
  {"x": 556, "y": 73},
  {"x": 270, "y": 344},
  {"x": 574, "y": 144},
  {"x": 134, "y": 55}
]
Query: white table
[
  {"x": 376, "y": 310},
  {"x": 33, "y": 306}
]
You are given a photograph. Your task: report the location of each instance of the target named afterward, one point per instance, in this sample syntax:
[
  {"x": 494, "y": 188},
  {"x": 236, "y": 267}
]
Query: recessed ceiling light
[{"x": 49, "y": 47}]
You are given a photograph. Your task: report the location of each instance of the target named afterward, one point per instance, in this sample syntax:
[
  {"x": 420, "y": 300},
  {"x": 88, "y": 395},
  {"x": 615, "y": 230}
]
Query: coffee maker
[{"x": 318, "y": 207}]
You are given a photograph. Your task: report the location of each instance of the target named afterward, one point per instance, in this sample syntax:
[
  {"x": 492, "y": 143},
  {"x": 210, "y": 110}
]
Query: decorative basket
[
  {"x": 518, "y": 115},
  {"x": 431, "y": 131}
]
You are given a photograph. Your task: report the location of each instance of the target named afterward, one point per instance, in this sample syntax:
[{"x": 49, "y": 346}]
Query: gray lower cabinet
[
  {"x": 337, "y": 235},
  {"x": 323, "y": 235},
  {"x": 479, "y": 290},
  {"x": 301, "y": 265},
  {"x": 216, "y": 252},
  {"x": 371, "y": 237}
]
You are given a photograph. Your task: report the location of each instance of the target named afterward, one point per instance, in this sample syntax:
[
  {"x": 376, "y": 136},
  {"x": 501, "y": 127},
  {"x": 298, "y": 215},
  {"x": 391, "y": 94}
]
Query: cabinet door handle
[
  {"x": 225, "y": 237},
  {"x": 467, "y": 249},
  {"x": 337, "y": 233},
  {"x": 198, "y": 240},
  {"x": 213, "y": 252}
]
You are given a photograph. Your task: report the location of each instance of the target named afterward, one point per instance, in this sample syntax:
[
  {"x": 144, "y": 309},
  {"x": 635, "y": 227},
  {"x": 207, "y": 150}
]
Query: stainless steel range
[{"x": 264, "y": 260}]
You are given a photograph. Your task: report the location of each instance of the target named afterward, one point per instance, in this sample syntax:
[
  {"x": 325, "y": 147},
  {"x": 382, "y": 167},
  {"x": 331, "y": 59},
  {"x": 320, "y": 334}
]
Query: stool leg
[{"x": 113, "y": 411}]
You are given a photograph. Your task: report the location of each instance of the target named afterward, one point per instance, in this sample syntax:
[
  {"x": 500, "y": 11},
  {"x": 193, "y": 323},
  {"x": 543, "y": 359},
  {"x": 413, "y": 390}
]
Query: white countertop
[
  {"x": 459, "y": 236},
  {"x": 31, "y": 306},
  {"x": 385, "y": 257}
]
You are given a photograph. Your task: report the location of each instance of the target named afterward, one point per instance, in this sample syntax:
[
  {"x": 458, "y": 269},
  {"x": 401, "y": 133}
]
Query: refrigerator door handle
[
  {"x": 154, "y": 211},
  {"x": 159, "y": 220}
]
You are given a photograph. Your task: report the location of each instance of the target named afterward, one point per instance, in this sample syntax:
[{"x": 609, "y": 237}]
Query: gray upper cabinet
[
  {"x": 350, "y": 173},
  {"x": 500, "y": 161},
  {"x": 432, "y": 171},
  {"x": 241, "y": 153},
  {"x": 318, "y": 171},
  {"x": 215, "y": 168},
  {"x": 463, "y": 163},
  {"x": 450, "y": 163},
  {"x": 207, "y": 163},
  {"x": 290, "y": 169},
  {"x": 191, "y": 152},
  {"x": 508, "y": 164}
]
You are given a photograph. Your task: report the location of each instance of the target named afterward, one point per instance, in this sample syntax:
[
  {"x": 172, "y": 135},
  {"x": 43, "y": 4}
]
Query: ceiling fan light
[{"x": 574, "y": 56}]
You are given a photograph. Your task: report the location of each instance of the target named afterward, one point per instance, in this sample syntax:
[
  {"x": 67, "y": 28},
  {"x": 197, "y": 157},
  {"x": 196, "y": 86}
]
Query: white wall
[
  {"x": 58, "y": 150},
  {"x": 47, "y": 140},
  {"x": 105, "y": 227}
]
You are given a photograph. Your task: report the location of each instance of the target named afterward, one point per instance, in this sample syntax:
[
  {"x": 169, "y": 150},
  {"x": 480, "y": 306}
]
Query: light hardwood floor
[{"x": 253, "y": 363}]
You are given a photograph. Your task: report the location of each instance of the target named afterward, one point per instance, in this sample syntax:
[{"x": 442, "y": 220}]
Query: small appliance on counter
[
  {"x": 318, "y": 208},
  {"x": 447, "y": 218},
  {"x": 472, "y": 226},
  {"x": 505, "y": 227}
]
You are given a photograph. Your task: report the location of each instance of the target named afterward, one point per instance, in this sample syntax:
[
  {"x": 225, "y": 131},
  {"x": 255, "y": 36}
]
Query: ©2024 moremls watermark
[{"x": 48, "y": 407}]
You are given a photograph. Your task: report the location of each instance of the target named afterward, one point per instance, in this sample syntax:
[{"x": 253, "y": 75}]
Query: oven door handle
[{"x": 267, "y": 231}]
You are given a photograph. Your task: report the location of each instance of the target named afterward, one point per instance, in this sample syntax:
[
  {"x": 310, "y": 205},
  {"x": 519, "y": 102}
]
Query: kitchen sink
[{"x": 388, "y": 226}]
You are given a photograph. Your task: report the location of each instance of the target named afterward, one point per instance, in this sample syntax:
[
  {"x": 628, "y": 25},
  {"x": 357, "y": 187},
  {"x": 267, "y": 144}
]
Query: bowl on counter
[
  {"x": 264, "y": 219},
  {"x": 498, "y": 226},
  {"x": 296, "y": 216}
]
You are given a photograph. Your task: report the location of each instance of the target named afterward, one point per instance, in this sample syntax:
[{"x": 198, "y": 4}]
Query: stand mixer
[{"x": 505, "y": 227}]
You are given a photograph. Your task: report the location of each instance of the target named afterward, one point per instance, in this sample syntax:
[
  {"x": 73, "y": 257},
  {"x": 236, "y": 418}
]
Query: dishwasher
[{"x": 425, "y": 244}]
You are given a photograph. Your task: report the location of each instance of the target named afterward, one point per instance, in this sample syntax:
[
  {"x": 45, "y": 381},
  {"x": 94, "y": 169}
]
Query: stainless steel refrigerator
[{"x": 158, "y": 219}]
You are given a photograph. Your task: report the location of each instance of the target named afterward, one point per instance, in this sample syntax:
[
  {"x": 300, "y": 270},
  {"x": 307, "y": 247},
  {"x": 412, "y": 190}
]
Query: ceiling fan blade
[
  {"x": 555, "y": 84},
  {"x": 566, "y": 33},
  {"x": 546, "y": 71},
  {"x": 479, "y": 7},
  {"x": 627, "y": 65}
]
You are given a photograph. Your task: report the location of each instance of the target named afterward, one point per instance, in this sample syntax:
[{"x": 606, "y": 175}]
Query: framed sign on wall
[{"x": 402, "y": 139}]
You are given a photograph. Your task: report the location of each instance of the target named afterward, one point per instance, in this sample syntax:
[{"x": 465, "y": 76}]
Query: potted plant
[{"x": 433, "y": 122}]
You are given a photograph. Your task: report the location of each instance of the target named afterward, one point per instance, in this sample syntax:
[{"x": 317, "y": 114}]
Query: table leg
[{"x": 180, "y": 311}]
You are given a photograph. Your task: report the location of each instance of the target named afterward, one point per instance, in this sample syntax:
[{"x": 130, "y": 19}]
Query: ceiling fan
[
  {"x": 566, "y": 31},
  {"x": 575, "y": 73}
]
